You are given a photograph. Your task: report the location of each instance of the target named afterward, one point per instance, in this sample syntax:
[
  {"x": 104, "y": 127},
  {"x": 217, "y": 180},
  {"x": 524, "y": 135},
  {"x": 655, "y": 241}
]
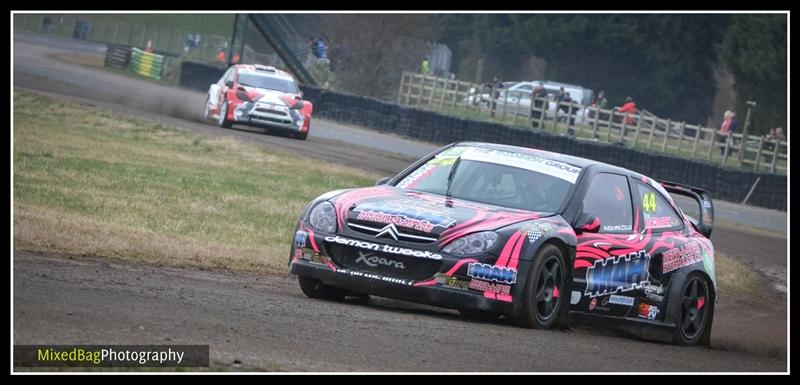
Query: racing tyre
[
  {"x": 694, "y": 311},
  {"x": 313, "y": 288},
  {"x": 222, "y": 120},
  {"x": 542, "y": 300}
]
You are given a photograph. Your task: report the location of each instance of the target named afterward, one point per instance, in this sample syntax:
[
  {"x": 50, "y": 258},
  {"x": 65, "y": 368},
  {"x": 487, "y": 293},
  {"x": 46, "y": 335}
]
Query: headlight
[
  {"x": 323, "y": 217},
  {"x": 472, "y": 244}
]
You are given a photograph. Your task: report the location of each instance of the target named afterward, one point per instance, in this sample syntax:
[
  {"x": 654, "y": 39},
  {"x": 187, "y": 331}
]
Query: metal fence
[{"x": 641, "y": 130}]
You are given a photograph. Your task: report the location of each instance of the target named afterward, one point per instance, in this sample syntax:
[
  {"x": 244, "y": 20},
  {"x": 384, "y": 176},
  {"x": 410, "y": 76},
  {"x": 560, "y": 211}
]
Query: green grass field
[{"x": 90, "y": 182}]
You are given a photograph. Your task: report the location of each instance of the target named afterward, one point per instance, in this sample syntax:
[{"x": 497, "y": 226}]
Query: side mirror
[
  {"x": 229, "y": 83},
  {"x": 299, "y": 95},
  {"x": 382, "y": 181},
  {"x": 587, "y": 223}
]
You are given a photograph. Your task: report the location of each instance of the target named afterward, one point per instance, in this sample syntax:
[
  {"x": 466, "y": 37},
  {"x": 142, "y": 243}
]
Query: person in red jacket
[{"x": 630, "y": 108}]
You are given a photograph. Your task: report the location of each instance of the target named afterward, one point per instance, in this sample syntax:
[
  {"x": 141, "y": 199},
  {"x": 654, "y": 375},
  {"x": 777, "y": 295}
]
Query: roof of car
[
  {"x": 569, "y": 159},
  {"x": 266, "y": 70}
]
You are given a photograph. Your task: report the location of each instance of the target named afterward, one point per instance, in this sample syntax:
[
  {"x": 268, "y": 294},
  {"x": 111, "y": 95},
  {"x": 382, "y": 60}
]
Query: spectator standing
[
  {"x": 496, "y": 84},
  {"x": 426, "y": 66},
  {"x": 725, "y": 129},
  {"x": 564, "y": 104},
  {"x": 629, "y": 108},
  {"x": 538, "y": 97},
  {"x": 221, "y": 56},
  {"x": 47, "y": 21},
  {"x": 312, "y": 47},
  {"x": 321, "y": 48}
]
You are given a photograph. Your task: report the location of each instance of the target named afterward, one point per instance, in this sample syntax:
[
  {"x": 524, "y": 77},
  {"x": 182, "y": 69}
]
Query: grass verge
[
  {"x": 734, "y": 278},
  {"x": 90, "y": 182}
]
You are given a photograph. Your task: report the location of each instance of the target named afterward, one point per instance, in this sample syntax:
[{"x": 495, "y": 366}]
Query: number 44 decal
[{"x": 649, "y": 202}]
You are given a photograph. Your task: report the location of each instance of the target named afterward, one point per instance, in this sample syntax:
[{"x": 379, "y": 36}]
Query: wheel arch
[{"x": 676, "y": 284}]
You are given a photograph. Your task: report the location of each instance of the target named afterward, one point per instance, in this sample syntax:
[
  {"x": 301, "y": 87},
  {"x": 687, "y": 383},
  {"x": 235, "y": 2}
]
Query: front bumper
[
  {"x": 383, "y": 286},
  {"x": 251, "y": 114},
  {"x": 443, "y": 280}
]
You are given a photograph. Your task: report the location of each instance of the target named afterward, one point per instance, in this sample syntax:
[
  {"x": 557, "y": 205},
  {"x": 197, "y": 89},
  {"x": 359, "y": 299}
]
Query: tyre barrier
[
  {"x": 146, "y": 63},
  {"x": 723, "y": 183}
]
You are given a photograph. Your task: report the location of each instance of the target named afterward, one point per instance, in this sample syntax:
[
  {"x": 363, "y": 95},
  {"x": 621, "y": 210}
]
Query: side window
[
  {"x": 609, "y": 199},
  {"x": 229, "y": 76},
  {"x": 225, "y": 76},
  {"x": 526, "y": 87},
  {"x": 657, "y": 213}
]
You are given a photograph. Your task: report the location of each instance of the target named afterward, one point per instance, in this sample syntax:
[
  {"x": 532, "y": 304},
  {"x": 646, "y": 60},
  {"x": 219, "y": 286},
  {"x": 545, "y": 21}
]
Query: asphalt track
[{"x": 267, "y": 324}]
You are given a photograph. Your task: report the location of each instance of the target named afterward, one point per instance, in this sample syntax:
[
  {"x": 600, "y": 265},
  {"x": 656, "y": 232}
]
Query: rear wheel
[
  {"x": 222, "y": 120},
  {"x": 313, "y": 288},
  {"x": 543, "y": 299},
  {"x": 694, "y": 311}
]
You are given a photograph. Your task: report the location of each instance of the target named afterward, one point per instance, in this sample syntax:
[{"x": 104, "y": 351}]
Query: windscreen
[
  {"x": 268, "y": 82},
  {"x": 495, "y": 177}
]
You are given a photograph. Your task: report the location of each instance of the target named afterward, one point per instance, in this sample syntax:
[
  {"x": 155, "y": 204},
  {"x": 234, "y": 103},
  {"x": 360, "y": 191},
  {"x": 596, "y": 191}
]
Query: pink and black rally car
[{"x": 542, "y": 238}]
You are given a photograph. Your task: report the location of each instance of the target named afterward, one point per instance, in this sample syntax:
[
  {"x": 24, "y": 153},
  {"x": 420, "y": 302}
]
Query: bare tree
[{"x": 369, "y": 52}]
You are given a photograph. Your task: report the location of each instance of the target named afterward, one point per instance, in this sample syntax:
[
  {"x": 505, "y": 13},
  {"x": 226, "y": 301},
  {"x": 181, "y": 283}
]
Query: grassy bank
[{"x": 90, "y": 182}]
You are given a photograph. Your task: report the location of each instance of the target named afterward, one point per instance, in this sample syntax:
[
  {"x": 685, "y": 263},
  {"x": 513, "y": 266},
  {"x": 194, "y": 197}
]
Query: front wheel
[
  {"x": 314, "y": 288},
  {"x": 543, "y": 299},
  {"x": 222, "y": 120},
  {"x": 695, "y": 312}
]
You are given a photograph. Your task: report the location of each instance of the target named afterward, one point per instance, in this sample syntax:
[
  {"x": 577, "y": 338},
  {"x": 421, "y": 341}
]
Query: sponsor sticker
[
  {"x": 648, "y": 311},
  {"x": 575, "y": 298},
  {"x": 361, "y": 274},
  {"x": 617, "y": 274},
  {"x": 685, "y": 255},
  {"x": 450, "y": 281},
  {"x": 620, "y": 300},
  {"x": 553, "y": 168},
  {"x": 374, "y": 260},
  {"x": 497, "y": 288},
  {"x": 492, "y": 273},
  {"x": 382, "y": 248},
  {"x": 593, "y": 304}
]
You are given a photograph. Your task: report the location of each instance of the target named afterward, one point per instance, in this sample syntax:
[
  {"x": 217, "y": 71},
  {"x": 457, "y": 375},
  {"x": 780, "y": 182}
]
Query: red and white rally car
[{"x": 258, "y": 95}]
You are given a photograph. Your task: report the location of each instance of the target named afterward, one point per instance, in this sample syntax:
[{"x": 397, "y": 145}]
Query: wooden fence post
[
  {"x": 728, "y": 141},
  {"x": 400, "y": 92},
  {"x": 638, "y": 129},
  {"x": 610, "y": 123},
  {"x": 774, "y": 156},
  {"x": 696, "y": 139},
  {"x": 680, "y": 137},
  {"x": 712, "y": 143},
  {"x": 666, "y": 136},
  {"x": 758, "y": 153},
  {"x": 594, "y": 124}
]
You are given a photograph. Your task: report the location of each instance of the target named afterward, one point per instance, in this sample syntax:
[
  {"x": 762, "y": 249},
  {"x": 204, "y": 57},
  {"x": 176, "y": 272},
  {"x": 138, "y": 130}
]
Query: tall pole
[
  {"x": 750, "y": 105},
  {"x": 233, "y": 38},
  {"x": 244, "y": 35}
]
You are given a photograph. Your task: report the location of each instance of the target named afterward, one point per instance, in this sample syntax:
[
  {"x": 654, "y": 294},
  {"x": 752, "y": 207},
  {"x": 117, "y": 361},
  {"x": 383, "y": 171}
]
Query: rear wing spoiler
[{"x": 705, "y": 223}]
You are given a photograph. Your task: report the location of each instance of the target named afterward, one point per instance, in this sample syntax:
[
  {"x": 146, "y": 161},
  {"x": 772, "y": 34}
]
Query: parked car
[
  {"x": 519, "y": 99},
  {"x": 257, "y": 95},
  {"x": 481, "y": 96},
  {"x": 543, "y": 238}
]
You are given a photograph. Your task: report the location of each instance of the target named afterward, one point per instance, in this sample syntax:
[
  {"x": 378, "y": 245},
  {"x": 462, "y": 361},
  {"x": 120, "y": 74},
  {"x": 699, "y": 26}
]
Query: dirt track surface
[{"x": 267, "y": 323}]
